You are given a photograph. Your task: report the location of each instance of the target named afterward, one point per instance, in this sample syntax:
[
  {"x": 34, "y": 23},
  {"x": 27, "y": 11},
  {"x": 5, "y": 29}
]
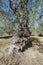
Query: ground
[
  {"x": 4, "y": 43},
  {"x": 31, "y": 56}
]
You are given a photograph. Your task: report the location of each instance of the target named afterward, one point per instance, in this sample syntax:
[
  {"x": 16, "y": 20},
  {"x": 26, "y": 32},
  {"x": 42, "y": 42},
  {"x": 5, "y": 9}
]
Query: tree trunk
[{"x": 20, "y": 40}]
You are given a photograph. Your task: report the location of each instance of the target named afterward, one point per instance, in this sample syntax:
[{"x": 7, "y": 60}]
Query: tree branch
[{"x": 12, "y": 6}]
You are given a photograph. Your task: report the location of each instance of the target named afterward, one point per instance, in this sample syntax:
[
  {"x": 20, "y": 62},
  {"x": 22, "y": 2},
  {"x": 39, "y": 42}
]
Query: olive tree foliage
[
  {"x": 22, "y": 9},
  {"x": 5, "y": 25},
  {"x": 7, "y": 21},
  {"x": 36, "y": 15},
  {"x": 40, "y": 27}
]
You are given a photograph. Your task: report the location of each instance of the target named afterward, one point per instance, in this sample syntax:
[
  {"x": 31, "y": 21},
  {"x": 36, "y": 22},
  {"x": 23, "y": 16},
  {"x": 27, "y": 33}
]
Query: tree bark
[{"x": 21, "y": 38}]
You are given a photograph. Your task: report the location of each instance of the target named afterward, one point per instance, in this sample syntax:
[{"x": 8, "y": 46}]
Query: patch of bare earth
[{"x": 31, "y": 56}]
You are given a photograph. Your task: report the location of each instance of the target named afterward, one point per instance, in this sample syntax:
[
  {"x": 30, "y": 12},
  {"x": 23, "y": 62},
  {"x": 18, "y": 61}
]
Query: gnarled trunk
[{"x": 21, "y": 39}]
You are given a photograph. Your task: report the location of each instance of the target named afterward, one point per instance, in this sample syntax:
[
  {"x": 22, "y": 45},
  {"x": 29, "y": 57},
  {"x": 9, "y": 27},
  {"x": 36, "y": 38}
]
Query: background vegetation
[{"x": 9, "y": 21}]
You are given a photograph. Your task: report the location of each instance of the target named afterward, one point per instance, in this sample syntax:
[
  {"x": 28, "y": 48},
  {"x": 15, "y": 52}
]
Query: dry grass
[
  {"x": 37, "y": 37},
  {"x": 4, "y": 43}
]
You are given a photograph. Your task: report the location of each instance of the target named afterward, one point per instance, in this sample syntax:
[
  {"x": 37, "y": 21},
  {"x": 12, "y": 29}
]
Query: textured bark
[{"x": 20, "y": 40}]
